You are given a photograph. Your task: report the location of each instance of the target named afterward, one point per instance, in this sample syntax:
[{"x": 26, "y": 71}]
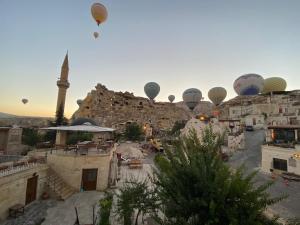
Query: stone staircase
[{"x": 57, "y": 184}]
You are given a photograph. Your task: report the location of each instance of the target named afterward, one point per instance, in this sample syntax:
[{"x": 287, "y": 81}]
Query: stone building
[
  {"x": 115, "y": 109},
  {"x": 10, "y": 140},
  {"x": 20, "y": 184}
]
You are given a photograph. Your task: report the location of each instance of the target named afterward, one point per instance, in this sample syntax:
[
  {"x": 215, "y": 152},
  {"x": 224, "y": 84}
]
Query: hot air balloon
[
  {"x": 96, "y": 35},
  {"x": 24, "y": 100},
  {"x": 249, "y": 84},
  {"x": 274, "y": 84},
  {"x": 79, "y": 102},
  {"x": 192, "y": 97},
  {"x": 171, "y": 98},
  {"x": 217, "y": 95},
  {"x": 99, "y": 13},
  {"x": 151, "y": 90}
]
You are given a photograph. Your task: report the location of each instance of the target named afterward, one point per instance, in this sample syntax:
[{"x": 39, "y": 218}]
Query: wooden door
[
  {"x": 31, "y": 189},
  {"x": 89, "y": 179}
]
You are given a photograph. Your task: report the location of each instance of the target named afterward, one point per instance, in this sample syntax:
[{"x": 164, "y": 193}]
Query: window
[
  {"x": 280, "y": 164},
  {"x": 284, "y": 135}
]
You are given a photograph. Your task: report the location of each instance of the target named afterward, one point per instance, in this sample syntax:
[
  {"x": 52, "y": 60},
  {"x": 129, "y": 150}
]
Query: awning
[{"x": 85, "y": 128}]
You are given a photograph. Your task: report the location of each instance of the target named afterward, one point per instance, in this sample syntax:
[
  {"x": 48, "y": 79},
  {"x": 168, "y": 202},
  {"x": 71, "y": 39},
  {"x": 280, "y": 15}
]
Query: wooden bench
[{"x": 16, "y": 210}]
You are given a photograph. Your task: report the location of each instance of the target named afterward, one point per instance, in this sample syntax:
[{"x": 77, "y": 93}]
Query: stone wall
[
  {"x": 270, "y": 152},
  {"x": 13, "y": 187},
  {"x": 114, "y": 109},
  {"x": 69, "y": 167}
]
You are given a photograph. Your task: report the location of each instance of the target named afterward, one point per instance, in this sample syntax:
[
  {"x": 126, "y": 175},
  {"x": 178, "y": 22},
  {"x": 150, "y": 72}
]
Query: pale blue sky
[{"x": 178, "y": 44}]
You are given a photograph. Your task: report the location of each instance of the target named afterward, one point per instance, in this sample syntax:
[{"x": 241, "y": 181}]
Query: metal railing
[{"x": 15, "y": 169}]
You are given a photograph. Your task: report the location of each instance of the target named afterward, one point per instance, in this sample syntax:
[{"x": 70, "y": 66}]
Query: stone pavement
[
  {"x": 64, "y": 212},
  {"x": 34, "y": 213}
]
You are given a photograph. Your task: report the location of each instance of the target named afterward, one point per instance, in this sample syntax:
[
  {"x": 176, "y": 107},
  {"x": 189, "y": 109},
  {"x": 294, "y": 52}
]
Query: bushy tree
[
  {"x": 135, "y": 196},
  {"x": 105, "y": 205},
  {"x": 178, "y": 125},
  {"x": 196, "y": 187},
  {"x": 30, "y": 136},
  {"x": 133, "y": 131},
  {"x": 75, "y": 137}
]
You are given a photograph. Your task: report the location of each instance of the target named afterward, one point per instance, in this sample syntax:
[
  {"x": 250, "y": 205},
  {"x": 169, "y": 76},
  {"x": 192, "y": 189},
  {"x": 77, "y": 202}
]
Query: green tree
[
  {"x": 75, "y": 137},
  {"x": 30, "y": 136},
  {"x": 135, "y": 196},
  {"x": 105, "y": 205},
  {"x": 133, "y": 131},
  {"x": 178, "y": 125},
  {"x": 196, "y": 187}
]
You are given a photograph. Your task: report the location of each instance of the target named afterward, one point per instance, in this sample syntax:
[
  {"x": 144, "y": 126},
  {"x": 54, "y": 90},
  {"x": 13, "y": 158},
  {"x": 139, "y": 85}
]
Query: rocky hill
[
  {"x": 23, "y": 121},
  {"x": 114, "y": 109}
]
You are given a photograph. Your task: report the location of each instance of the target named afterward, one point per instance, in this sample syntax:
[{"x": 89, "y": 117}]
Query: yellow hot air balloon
[
  {"x": 217, "y": 95},
  {"x": 99, "y": 12},
  {"x": 274, "y": 84},
  {"x": 96, "y": 35}
]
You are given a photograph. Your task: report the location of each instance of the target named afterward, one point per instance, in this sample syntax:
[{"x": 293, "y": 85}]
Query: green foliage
[
  {"x": 134, "y": 196},
  {"x": 178, "y": 125},
  {"x": 75, "y": 137},
  {"x": 105, "y": 205},
  {"x": 196, "y": 187},
  {"x": 133, "y": 131},
  {"x": 30, "y": 136}
]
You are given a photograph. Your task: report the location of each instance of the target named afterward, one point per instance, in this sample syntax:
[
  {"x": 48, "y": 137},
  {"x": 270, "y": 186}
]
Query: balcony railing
[
  {"x": 21, "y": 165},
  {"x": 16, "y": 169}
]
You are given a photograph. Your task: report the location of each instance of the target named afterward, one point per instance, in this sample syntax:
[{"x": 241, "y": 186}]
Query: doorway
[
  {"x": 89, "y": 179},
  {"x": 31, "y": 189}
]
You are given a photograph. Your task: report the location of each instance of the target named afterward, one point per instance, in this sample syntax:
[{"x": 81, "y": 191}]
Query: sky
[{"x": 177, "y": 43}]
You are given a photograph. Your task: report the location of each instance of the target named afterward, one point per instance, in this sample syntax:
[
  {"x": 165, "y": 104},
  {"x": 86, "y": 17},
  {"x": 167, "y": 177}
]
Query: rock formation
[{"x": 115, "y": 109}]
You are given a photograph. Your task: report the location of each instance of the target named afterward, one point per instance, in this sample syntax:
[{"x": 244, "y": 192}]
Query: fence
[{"x": 11, "y": 170}]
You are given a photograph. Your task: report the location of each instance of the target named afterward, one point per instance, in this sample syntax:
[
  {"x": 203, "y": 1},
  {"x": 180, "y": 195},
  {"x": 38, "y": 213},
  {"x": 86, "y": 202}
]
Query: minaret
[{"x": 63, "y": 85}]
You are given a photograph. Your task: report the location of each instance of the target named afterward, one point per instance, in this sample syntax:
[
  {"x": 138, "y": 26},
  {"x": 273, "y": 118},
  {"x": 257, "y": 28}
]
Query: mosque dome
[{"x": 82, "y": 121}]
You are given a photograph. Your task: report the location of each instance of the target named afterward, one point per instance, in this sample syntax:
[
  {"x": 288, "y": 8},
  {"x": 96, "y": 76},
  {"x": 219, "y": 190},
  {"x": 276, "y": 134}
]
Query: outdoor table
[{"x": 15, "y": 210}]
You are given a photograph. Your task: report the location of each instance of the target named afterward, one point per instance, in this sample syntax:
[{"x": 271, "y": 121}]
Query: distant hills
[
  {"x": 6, "y": 115},
  {"x": 7, "y": 119}
]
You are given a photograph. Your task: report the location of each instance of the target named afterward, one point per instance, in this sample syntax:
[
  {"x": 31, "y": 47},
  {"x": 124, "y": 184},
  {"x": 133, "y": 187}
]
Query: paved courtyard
[
  {"x": 64, "y": 212},
  {"x": 251, "y": 158}
]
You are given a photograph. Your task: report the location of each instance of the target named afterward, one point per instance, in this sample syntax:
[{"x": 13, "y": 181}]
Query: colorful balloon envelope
[
  {"x": 24, "y": 100},
  {"x": 79, "y": 102},
  {"x": 249, "y": 84},
  {"x": 99, "y": 13},
  {"x": 151, "y": 90},
  {"x": 171, "y": 98},
  {"x": 217, "y": 95},
  {"x": 96, "y": 35},
  {"x": 192, "y": 97},
  {"x": 274, "y": 84}
]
